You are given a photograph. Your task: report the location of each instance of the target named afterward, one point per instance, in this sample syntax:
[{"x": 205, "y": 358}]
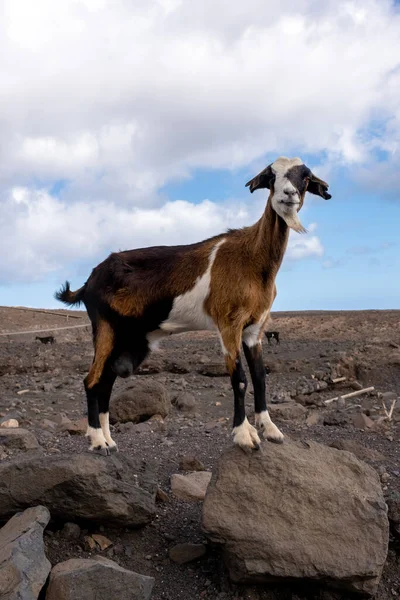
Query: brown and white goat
[{"x": 226, "y": 283}]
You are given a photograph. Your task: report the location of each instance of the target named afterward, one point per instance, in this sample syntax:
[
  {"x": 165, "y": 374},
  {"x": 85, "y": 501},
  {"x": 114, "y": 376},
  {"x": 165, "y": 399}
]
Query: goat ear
[
  {"x": 318, "y": 187},
  {"x": 262, "y": 180}
]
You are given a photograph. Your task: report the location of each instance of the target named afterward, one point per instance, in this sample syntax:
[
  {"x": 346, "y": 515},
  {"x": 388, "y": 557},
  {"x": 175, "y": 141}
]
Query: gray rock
[
  {"x": 190, "y": 487},
  {"x": 139, "y": 401},
  {"x": 23, "y": 565},
  {"x": 288, "y": 412},
  {"x": 191, "y": 463},
  {"x": 116, "y": 490},
  {"x": 71, "y": 531},
  {"x": 18, "y": 439},
  {"x": 393, "y": 503},
  {"x": 185, "y": 401},
  {"x": 97, "y": 579},
  {"x": 299, "y": 512},
  {"x": 184, "y": 553}
]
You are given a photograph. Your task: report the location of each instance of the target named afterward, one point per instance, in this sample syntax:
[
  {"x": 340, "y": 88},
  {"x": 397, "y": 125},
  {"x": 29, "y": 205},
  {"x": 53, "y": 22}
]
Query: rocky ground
[{"x": 41, "y": 387}]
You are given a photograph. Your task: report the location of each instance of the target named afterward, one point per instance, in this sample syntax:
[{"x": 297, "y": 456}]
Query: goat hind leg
[
  {"x": 96, "y": 384},
  {"x": 244, "y": 434},
  {"x": 104, "y": 390}
]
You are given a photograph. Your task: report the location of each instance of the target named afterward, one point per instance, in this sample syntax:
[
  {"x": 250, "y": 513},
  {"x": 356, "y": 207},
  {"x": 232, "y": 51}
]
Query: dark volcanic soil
[{"x": 315, "y": 346}]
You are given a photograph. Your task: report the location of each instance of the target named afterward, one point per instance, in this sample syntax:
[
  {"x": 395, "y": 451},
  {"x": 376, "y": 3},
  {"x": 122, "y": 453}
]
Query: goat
[
  {"x": 46, "y": 340},
  {"x": 226, "y": 283},
  {"x": 272, "y": 335}
]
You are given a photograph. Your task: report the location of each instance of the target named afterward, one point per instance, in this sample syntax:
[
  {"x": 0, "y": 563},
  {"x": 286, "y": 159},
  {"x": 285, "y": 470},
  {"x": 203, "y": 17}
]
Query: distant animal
[
  {"x": 226, "y": 283},
  {"x": 272, "y": 335},
  {"x": 46, "y": 340}
]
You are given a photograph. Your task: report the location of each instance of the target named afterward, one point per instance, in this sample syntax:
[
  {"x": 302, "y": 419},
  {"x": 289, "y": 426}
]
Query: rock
[
  {"x": 389, "y": 397},
  {"x": 362, "y": 452},
  {"x": 23, "y": 565},
  {"x": 174, "y": 367},
  {"x": 184, "y": 553},
  {"x": 161, "y": 496},
  {"x": 71, "y": 531},
  {"x": 313, "y": 418},
  {"x": 213, "y": 370},
  {"x": 335, "y": 418},
  {"x": 18, "y": 439},
  {"x": 298, "y": 512},
  {"x": 96, "y": 579},
  {"x": 78, "y": 427},
  {"x": 139, "y": 401},
  {"x": 287, "y": 412},
  {"x": 102, "y": 541},
  {"x": 190, "y": 487},
  {"x": 190, "y": 463},
  {"x": 356, "y": 385},
  {"x": 362, "y": 421},
  {"x": 393, "y": 503},
  {"x": 185, "y": 401},
  {"x": 12, "y": 423},
  {"x": 117, "y": 490}
]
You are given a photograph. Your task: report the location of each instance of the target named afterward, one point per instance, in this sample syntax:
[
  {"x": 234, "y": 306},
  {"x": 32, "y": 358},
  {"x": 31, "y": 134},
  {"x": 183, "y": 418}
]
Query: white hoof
[
  {"x": 246, "y": 436},
  {"x": 269, "y": 429}
]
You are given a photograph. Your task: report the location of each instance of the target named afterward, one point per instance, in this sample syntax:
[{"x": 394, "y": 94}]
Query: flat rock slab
[
  {"x": 18, "y": 439},
  {"x": 191, "y": 487},
  {"x": 300, "y": 512},
  {"x": 23, "y": 565},
  {"x": 97, "y": 579},
  {"x": 81, "y": 487}
]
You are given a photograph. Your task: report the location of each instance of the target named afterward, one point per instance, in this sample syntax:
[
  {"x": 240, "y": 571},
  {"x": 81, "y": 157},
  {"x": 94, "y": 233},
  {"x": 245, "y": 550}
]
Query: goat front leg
[
  {"x": 244, "y": 434},
  {"x": 263, "y": 420}
]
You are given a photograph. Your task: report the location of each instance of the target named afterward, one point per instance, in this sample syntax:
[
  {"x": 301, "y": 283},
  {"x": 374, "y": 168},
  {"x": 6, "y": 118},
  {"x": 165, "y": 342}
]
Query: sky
[{"x": 132, "y": 123}]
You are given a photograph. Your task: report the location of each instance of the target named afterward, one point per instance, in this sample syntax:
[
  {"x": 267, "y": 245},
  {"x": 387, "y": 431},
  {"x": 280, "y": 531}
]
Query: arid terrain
[{"x": 41, "y": 386}]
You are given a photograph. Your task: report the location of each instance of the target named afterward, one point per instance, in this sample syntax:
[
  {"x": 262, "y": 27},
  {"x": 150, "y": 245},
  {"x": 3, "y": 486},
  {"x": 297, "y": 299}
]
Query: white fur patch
[
  {"x": 285, "y": 205},
  {"x": 96, "y": 436},
  {"x": 187, "y": 313},
  {"x": 251, "y": 335},
  {"x": 105, "y": 426},
  {"x": 246, "y": 436},
  {"x": 271, "y": 432},
  {"x": 154, "y": 338}
]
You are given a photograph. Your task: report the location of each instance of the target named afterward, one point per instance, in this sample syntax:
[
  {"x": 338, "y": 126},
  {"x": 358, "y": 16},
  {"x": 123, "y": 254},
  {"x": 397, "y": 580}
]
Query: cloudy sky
[{"x": 127, "y": 123}]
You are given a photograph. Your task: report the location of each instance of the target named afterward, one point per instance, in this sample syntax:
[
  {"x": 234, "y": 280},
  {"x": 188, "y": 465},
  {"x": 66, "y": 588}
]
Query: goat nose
[{"x": 290, "y": 192}]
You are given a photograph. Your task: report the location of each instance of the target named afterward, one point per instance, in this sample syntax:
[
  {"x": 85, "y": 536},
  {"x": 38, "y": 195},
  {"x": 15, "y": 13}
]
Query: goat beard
[{"x": 293, "y": 222}]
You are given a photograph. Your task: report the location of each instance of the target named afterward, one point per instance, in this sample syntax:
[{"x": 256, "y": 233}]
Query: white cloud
[
  {"x": 52, "y": 233},
  {"x": 119, "y": 97}
]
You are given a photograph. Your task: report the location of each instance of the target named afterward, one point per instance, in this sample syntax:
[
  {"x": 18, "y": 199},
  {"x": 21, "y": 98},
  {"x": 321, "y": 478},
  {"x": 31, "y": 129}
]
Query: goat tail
[{"x": 70, "y": 298}]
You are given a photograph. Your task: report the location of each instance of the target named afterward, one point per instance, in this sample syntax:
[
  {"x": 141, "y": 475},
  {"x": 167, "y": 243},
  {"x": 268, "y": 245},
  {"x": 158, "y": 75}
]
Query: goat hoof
[
  {"x": 276, "y": 440},
  {"x": 103, "y": 451},
  {"x": 113, "y": 449}
]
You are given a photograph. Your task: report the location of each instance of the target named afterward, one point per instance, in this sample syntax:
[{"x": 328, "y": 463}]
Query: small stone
[
  {"x": 71, "y": 531},
  {"x": 385, "y": 477},
  {"x": 185, "y": 401},
  {"x": 184, "y": 553},
  {"x": 190, "y": 463},
  {"x": 313, "y": 419},
  {"x": 12, "y": 423},
  {"x": 389, "y": 396},
  {"x": 102, "y": 541},
  {"x": 161, "y": 496},
  {"x": 362, "y": 421},
  {"x": 90, "y": 542}
]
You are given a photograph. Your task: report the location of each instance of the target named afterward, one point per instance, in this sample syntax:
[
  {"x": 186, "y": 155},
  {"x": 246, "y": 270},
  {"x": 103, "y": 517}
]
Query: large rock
[
  {"x": 116, "y": 490},
  {"x": 96, "y": 579},
  {"x": 299, "y": 512},
  {"x": 18, "y": 439},
  {"x": 139, "y": 401},
  {"x": 23, "y": 565}
]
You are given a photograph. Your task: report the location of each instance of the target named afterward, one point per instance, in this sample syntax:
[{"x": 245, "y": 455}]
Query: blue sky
[{"x": 136, "y": 124}]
